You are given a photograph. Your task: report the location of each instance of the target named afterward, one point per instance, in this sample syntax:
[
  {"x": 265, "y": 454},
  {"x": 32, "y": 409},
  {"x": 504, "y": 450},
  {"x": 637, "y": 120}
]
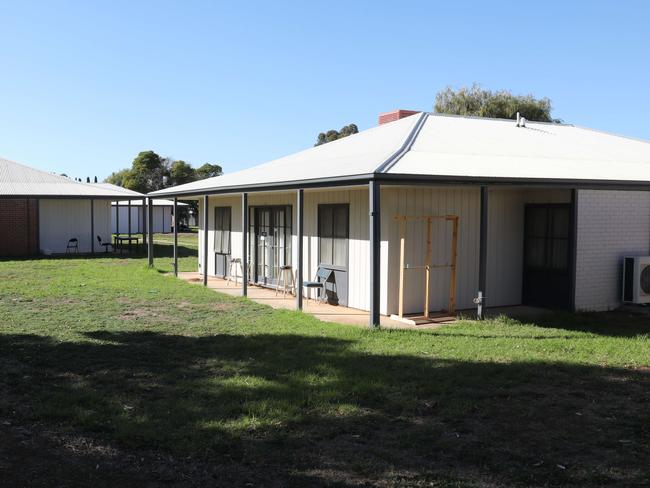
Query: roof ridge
[
  {"x": 405, "y": 147},
  {"x": 502, "y": 119}
]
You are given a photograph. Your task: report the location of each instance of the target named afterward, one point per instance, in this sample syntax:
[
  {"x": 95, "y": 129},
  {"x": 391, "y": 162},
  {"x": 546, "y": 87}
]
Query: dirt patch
[{"x": 139, "y": 313}]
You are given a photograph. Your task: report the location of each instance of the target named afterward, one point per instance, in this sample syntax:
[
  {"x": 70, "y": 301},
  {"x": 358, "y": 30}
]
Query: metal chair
[
  {"x": 72, "y": 246},
  {"x": 319, "y": 283},
  {"x": 105, "y": 245}
]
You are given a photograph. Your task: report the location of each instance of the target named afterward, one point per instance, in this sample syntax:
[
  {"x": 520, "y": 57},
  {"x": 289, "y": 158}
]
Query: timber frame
[{"x": 428, "y": 265}]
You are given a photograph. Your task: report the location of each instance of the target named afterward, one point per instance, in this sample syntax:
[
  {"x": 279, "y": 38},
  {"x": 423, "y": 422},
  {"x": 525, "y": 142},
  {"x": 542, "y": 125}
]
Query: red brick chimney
[{"x": 395, "y": 115}]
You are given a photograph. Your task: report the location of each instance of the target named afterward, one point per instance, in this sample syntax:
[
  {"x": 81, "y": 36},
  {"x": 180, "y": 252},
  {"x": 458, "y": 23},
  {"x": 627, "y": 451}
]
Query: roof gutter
[
  {"x": 329, "y": 182},
  {"x": 417, "y": 180}
]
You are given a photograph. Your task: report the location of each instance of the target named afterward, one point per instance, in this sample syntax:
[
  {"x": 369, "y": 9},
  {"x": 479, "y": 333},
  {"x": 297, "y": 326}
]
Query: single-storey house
[
  {"x": 163, "y": 220},
  {"x": 40, "y": 212},
  {"x": 433, "y": 212}
]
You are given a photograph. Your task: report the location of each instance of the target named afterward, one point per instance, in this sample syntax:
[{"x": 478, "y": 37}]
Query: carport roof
[{"x": 18, "y": 180}]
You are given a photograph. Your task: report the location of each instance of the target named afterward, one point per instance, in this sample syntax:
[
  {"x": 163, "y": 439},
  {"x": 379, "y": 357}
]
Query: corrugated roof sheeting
[
  {"x": 495, "y": 148},
  {"x": 453, "y": 146},
  {"x": 19, "y": 180},
  {"x": 357, "y": 154}
]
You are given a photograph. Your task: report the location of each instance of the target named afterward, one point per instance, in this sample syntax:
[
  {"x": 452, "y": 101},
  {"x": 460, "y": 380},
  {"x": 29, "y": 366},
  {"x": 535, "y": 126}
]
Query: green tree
[
  {"x": 149, "y": 172},
  {"x": 493, "y": 104},
  {"x": 208, "y": 171},
  {"x": 333, "y": 135},
  {"x": 180, "y": 172}
]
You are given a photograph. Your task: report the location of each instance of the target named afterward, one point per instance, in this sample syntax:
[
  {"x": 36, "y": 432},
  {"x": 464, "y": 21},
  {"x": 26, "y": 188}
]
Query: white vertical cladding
[
  {"x": 357, "y": 198},
  {"x": 200, "y": 219},
  {"x": 233, "y": 201},
  {"x": 358, "y": 266},
  {"x": 210, "y": 210},
  {"x": 461, "y": 201},
  {"x": 506, "y": 240},
  {"x": 167, "y": 220},
  {"x": 102, "y": 224},
  {"x": 505, "y": 247},
  {"x": 61, "y": 220},
  {"x": 505, "y": 243},
  {"x": 611, "y": 225},
  {"x": 136, "y": 219}
]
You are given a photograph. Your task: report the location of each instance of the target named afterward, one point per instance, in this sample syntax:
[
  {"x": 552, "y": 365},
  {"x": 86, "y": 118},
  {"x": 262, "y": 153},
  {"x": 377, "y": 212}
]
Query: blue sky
[{"x": 87, "y": 85}]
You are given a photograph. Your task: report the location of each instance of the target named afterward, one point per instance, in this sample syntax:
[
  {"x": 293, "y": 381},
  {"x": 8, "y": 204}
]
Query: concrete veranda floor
[
  {"x": 322, "y": 311},
  {"x": 341, "y": 314}
]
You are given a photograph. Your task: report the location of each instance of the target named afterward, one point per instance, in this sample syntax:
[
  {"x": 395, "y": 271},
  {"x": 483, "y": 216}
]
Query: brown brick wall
[{"x": 18, "y": 227}]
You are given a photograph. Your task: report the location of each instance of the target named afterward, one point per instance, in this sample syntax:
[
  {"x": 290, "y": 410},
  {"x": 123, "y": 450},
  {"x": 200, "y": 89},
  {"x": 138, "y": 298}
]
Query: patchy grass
[{"x": 115, "y": 374}]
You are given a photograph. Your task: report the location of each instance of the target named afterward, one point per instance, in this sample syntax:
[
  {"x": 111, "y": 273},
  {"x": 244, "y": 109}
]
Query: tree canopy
[
  {"x": 333, "y": 135},
  {"x": 208, "y": 170},
  {"x": 150, "y": 172},
  {"x": 493, "y": 104}
]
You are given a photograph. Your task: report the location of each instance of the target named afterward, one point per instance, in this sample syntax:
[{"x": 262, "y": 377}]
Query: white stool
[
  {"x": 286, "y": 279},
  {"x": 234, "y": 262}
]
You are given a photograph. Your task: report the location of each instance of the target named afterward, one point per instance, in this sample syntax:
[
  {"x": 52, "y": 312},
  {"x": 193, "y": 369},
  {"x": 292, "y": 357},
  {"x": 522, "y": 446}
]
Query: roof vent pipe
[{"x": 521, "y": 121}]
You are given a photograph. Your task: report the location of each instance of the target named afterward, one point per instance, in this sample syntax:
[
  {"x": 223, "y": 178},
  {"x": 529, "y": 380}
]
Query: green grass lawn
[{"x": 114, "y": 374}]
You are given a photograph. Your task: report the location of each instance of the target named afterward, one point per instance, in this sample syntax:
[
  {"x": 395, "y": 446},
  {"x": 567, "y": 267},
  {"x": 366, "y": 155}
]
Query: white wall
[
  {"x": 611, "y": 225},
  {"x": 505, "y": 244},
  {"x": 60, "y": 220},
  {"x": 162, "y": 219},
  {"x": 506, "y": 239},
  {"x": 358, "y": 292}
]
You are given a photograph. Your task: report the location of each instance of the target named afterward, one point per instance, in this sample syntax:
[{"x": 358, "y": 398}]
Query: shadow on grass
[
  {"x": 278, "y": 410},
  {"x": 620, "y": 323}
]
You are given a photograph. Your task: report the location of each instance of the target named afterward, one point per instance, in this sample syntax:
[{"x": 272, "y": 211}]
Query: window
[
  {"x": 333, "y": 233},
  {"x": 222, "y": 230}
]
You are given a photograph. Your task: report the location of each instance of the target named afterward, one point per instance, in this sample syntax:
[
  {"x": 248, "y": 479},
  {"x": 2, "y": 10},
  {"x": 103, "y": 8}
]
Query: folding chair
[
  {"x": 73, "y": 245},
  {"x": 105, "y": 245}
]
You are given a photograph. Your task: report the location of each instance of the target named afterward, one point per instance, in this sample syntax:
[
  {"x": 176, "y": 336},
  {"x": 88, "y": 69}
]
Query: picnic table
[{"x": 120, "y": 240}]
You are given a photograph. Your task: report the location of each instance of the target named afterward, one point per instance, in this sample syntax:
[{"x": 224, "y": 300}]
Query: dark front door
[{"x": 547, "y": 259}]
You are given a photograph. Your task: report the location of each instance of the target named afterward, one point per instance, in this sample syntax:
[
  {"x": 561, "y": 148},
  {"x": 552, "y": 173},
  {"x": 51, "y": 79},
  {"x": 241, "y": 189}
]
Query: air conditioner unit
[{"x": 636, "y": 279}]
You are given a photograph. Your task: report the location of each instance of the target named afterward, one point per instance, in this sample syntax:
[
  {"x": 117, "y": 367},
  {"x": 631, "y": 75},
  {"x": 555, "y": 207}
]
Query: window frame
[
  {"x": 220, "y": 249},
  {"x": 332, "y": 207}
]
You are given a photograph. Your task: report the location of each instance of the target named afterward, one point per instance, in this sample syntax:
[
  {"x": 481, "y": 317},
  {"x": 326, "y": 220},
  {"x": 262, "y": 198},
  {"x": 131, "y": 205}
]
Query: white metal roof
[
  {"x": 496, "y": 148},
  {"x": 120, "y": 189},
  {"x": 357, "y": 154},
  {"x": 448, "y": 147},
  {"x": 18, "y": 180}
]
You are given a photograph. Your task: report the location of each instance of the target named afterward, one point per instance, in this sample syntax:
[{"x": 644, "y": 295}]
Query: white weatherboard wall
[
  {"x": 611, "y": 225},
  {"x": 61, "y": 220}
]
